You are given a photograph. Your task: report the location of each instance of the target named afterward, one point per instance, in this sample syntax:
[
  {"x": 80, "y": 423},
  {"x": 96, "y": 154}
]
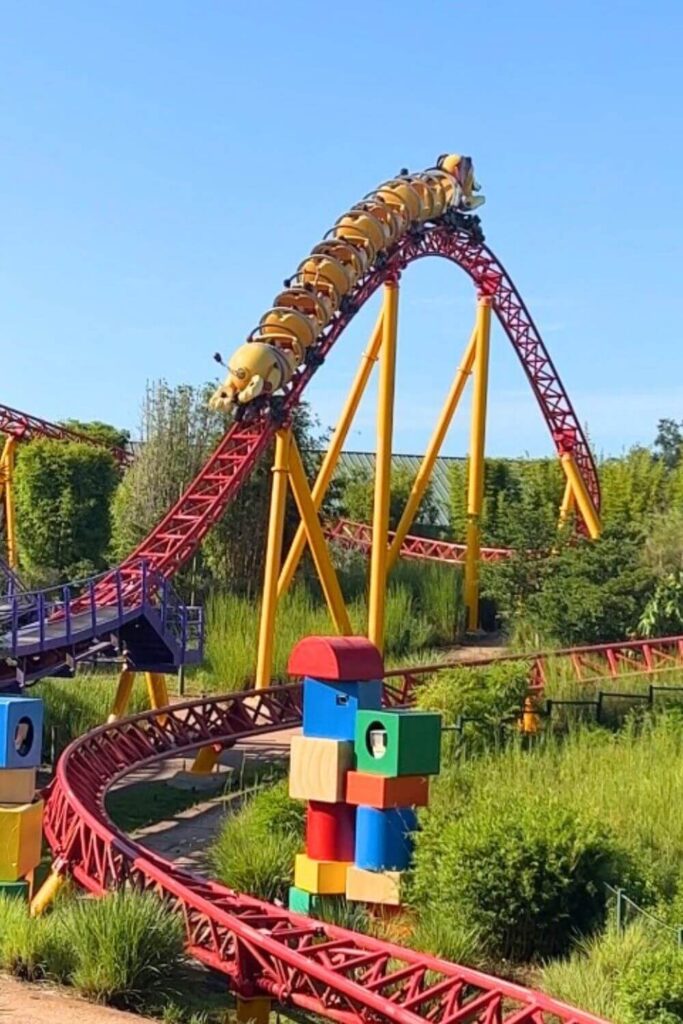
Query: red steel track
[
  {"x": 174, "y": 540},
  {"x": 260, "y": 947},
  {"x": 25, "y": 427},
  {"x": 358, "y": 537}
]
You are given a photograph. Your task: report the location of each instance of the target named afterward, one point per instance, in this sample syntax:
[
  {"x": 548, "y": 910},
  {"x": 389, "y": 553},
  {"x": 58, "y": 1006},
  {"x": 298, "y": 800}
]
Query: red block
[
  {"x": 382, "y": 792},
  {"x": 351, "y": 659},
  {"x": 330, "y": 831}
]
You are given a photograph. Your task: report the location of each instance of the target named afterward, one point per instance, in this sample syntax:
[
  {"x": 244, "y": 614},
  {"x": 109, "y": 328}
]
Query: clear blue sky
[{"x": 165, "y": 164}]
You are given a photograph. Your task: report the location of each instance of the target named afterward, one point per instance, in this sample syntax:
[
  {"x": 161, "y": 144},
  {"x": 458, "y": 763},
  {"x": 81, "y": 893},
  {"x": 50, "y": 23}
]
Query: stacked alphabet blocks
[
  {"x": 21, "y": 814},
  {"x": 362, "y": 770}
]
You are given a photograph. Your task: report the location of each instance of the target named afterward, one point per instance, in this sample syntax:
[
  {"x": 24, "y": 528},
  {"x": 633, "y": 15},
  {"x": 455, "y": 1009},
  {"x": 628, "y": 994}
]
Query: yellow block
[
  {"x": 374, "y": 886},
  {"x": 21, "y": 836},
  {"x": 17, "y": 785},
  {"x": 256, "y": 1010},
  {"x": 323, "y": 877},
  {"x": 317, "y": 769}
]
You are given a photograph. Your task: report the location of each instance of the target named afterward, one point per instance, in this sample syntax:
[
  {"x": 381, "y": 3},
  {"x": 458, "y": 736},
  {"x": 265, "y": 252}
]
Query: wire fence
[{"x": 627, "y": 910}]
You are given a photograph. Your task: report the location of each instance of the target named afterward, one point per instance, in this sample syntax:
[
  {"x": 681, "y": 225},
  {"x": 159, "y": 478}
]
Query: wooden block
[
  {"x": 398, "y": 742},
  {"x": 384, "y": 838},
  {"x": 318, "y": 767},
  {"x": 374, "y": 886},
  {"x": 323, "y": 877},
  {"x": 256, "y": 1010},
  {"x": 21, "y": 837},
  {"x": 21, "y": 732},
  {"x": 330, "y": 831},
  {"x": 383, "y": 792},
  {"x": 310, "y": 903},
  {"x": 17, "y": 785}
]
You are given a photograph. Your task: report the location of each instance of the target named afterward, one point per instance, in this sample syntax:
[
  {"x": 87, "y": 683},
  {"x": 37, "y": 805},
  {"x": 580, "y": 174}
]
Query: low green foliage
[
  {"x": 484, "y": 696},
  {"x": 591, "y": 976},
  {"x": 125, "y": 946},
  {"x": 257, "y": 845},
  {"x": 73, "y": 708},
  {"x": 31, "y": 948},
  {"x": 651, "y": 986},
  {"x": 528, "y": 876}
]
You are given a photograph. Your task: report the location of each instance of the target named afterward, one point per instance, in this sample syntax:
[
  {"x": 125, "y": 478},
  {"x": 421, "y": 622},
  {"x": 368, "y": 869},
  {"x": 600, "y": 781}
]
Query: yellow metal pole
[
  {"x": 157, "y": 692},
  {"x": 205, "y": 760},
  {"x": 47, "y": 893},
  {"x": 567, "y": 505},
  {"x": 316, "y": 541},
  {"x": 329, "y": 463},
  {"x": 581, "y": 495},
  {"x": 424, "y": 473},
  {"x": 276, "y": 525},
  {"x": 8, "y": 455},
  {"x": 124, "y": 689},
  {"x": 475, "y": 487},
  {"x": 385, "y": 426}
]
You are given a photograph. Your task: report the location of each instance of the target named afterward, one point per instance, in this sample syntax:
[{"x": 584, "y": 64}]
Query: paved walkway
[{"x": 42, "y": 1004}]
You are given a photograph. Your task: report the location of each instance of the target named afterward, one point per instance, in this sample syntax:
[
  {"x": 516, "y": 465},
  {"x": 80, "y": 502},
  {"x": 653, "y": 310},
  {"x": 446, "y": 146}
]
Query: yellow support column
[
  {"x": 385, "y": 426},
  {"x": 316, "y": 541},
  {"x": 329, "y": 463},
  {"x": 157, "y": 692},
  {"x": 475, "y": 487},
  {"x": 581, "y": 495},
  {"x": 205, "y": 760},
  {"x": 567, "y": 505},
  {"x": 122, "y": 697},
  {"x": 276, "y": 524},
  {"x": 47, "y": 893},
  {"x": 424, "y": 473},
  {"x": 253, "y": 1011},
  {"x": 8, "y": 454}
]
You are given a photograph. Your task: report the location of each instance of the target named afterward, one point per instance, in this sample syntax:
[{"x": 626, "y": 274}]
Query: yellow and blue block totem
[{"x": 21, "y": 813}]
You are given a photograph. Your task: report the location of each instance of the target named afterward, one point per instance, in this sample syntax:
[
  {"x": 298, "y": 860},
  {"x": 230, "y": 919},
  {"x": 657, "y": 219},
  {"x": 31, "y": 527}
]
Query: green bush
[
  {"x": 590, "y": 977},
  {"x": 125, "y": 946},
  {"x": 651, "y": 986},
  {"x": 488, "y": 694},
  {"x": 32, "y": 948},
  {"x": 528, "y": 876},
  {"x": 255, "y": 850}
]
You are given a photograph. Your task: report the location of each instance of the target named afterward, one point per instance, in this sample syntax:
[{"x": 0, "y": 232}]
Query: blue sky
[{"x": 166, "y": 164}]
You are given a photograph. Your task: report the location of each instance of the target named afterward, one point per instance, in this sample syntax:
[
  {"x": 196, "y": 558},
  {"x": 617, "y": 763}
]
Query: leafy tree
[
  {"x": 179, "y": 431},
  {"x": 356, "y": 497},
  {"x": 98, "y": 431},
  {"x": 663, "y": 614},
  {"x": 63, "y": 495},
  {"x": 669, "y": 442}
]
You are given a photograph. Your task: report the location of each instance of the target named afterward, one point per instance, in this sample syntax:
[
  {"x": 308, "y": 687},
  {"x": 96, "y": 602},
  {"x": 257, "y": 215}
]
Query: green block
[
  {"x": 302, "y": 902},
  {"x": 398, "y": 742},
  {"x": 17, "y": 890}
]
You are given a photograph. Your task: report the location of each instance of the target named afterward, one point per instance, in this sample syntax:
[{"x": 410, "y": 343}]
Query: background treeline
[{"x": 77, "y": 514}]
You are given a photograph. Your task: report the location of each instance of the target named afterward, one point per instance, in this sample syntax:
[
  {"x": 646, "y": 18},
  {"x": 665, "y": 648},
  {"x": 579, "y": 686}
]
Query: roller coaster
[{"x": 261, "y": 948}]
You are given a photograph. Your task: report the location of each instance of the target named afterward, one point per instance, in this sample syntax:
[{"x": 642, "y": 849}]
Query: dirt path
[{"x": 41, "y": 1004}]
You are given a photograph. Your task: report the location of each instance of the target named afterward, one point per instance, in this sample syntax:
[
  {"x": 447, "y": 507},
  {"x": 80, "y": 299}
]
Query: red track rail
[
  {"x": 358, "y": 537},
  {"x": 177, "y": 536},
  {"x": 350, "y": 978},
  {"x": 25, "y": 427}
]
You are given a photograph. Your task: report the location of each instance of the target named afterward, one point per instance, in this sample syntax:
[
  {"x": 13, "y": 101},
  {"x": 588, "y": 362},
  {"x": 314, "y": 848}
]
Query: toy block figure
[
  {"x": 383, "y": 838},
  {"x": 330, "y": 708},
  {"x": 21, "y": 732},
  {"x": 398, "y": 742},
  {"x": 383, "y": 792},
  {"x": 323, "y": 877},
  {"x": 318, "y": 767},
  {"x": 330, "y": 831},
  {"x": 382, "y": 887},
  {"x": 21, "y": 834},
  {"x": 17, "y": 785}
]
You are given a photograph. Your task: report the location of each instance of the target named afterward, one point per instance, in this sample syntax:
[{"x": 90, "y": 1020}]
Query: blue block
[
  {"x": 21, "y": 732},
  {"x": 383, "y": 840},
  {"x": 330, "y": 708}
]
